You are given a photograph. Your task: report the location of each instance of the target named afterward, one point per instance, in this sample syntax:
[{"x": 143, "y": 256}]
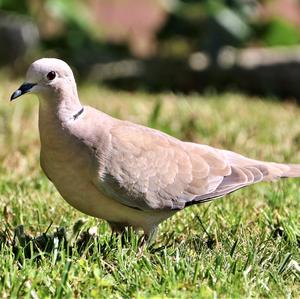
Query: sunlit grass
[{"x": 244, "y": 245}]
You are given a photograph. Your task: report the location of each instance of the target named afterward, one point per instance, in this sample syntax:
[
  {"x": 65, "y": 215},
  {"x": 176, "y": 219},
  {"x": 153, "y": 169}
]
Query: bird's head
[{"x": 48, "y": 78}]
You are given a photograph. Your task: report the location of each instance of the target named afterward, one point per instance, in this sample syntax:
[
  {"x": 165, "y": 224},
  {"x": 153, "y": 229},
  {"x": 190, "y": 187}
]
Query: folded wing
[{"x": 149, "y": 170}]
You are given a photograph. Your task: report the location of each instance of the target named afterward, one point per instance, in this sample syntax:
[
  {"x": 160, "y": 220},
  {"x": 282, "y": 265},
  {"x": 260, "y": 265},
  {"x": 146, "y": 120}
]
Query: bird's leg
[
  {"x": 149, "y": 237},
  {"x": 117, "y": 229},
  {"x": 146, "y": 239}
]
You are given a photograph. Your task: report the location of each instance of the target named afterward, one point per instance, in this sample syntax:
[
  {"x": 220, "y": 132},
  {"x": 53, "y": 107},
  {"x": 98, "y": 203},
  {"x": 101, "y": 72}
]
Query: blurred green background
[{"x": 154, "y": 45}]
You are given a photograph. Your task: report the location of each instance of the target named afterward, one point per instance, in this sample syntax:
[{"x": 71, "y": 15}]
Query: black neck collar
[{"x": 75, "y": 116}]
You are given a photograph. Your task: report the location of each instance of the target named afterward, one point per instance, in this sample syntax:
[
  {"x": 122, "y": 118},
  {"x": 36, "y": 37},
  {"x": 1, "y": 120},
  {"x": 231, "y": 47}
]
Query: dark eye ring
[{"x": 51, "y": 75}]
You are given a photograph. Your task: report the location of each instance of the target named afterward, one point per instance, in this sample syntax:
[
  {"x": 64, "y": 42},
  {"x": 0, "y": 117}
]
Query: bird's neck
[
  {"x": 55, "y": 118},
  {"x": 60, "y": 108}
]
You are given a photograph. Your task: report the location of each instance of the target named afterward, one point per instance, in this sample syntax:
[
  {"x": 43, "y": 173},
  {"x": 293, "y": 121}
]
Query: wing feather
[{"x": 149, "y": 170}]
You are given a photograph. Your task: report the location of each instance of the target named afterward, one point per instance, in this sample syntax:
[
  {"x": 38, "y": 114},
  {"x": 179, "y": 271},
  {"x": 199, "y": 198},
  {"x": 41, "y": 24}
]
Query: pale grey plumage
[{"x": 125, "y": 173}]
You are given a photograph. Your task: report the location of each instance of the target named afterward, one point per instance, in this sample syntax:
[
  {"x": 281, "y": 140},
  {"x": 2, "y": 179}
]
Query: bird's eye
[{"x": 51, "y": 75}]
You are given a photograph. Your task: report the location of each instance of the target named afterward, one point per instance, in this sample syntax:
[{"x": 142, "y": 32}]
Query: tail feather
[
  {"x": 293, "y": 171},
  {"x": 270, "y": 170},
  {"x": 245, "y": 172}
]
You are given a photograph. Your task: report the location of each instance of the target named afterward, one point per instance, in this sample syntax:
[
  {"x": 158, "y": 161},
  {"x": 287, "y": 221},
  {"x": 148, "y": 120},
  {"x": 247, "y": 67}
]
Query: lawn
[{"x": 244, "y": 245}]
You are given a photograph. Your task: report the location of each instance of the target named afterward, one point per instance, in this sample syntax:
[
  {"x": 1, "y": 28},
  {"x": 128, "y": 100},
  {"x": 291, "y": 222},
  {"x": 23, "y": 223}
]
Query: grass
[{"x": 244, "y": 245}]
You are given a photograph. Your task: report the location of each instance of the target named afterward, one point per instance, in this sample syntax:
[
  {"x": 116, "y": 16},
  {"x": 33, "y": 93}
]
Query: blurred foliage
[
  {"x": 69, "y": 26},
  {"x": 280, "y": 32},
  {"x": 20, "y": 7},
  {"x": 163, "y": 33}
]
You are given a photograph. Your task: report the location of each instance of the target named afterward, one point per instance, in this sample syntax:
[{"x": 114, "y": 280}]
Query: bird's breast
[{"x": 68, "y": 162}]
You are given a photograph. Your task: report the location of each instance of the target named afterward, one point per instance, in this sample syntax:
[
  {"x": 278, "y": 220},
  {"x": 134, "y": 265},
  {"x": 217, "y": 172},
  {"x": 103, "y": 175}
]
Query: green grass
[{"x": 244, "y": 245}]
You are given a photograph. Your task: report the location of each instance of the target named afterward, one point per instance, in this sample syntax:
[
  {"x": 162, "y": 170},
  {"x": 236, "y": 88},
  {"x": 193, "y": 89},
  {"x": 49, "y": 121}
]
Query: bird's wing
[{"x": 149, "y": 170}]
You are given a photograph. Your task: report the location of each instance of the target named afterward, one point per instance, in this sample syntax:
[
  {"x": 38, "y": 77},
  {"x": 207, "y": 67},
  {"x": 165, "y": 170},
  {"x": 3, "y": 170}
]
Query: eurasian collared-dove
[{"x": 122, "y": 172}]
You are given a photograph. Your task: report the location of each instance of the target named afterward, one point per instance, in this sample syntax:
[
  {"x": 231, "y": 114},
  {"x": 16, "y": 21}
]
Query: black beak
[{"x": 24, "y": 88}]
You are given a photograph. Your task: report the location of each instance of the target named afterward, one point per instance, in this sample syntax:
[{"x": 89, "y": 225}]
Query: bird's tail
[
  {"x": 270, "y": 171},
  {"x": 283, "y": 170},
  {"x": 245, "y": 172}
]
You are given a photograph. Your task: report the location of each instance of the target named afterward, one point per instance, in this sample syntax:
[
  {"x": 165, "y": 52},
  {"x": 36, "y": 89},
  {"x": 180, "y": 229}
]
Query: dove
[{"x": 125, "y": 173}]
